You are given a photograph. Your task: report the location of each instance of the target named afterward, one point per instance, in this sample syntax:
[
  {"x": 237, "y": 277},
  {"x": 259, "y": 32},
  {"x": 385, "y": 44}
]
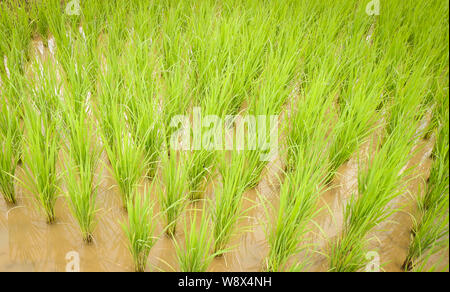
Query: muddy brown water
[{"x": 28, "y": 243}]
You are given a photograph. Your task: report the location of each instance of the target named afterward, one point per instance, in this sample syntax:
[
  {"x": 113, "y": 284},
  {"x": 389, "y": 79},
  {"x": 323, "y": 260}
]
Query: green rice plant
[
  {"x": 82, "y": 158},
  {"x": 15, "y": 32},
  {"x": 150, "y": 136},
  {"x": 426, "y": 264},
  {"x": 438, "y": 180},
  {"x": 358, "y": 116},
  {"x": 42, "y": 113},
  {"x": 82, "y": 192},
  {"x": 430, "y": 229},
  {"x": 111, "y": 95},
  {"x": 228, "y": 199},
  {"x": 195, "y": 252},
  {"x": 11, "y": 139},
  {"x": 140, "y": 71},
  {"x": 174, "y": 188},
  {"x": 409, "y": 98},
  {"x": 311, "y": 120},
  {"x": 40, "y": 156},
  {"x": 201, "y": 165},
  {"x": 140, "y": 228},
  {"x": 299, "y": 195},
  {"x": 126, "y": 156},
  {"x": 430, "y": 233},
  {"x": 378, "y": 184}
]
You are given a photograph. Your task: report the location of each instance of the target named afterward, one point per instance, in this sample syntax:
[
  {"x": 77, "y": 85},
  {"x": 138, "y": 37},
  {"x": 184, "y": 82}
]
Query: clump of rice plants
[
  {"x": 176, "y": 190},
  {"x": 82, "y": 193},
  {"x": 10, "y": 136},
  {"x": 228, "y": 200},
  {"x": 299, "y": 195},
  {"x": 40, "y": 155},
  {"x": 83, "y": 158},
  {"x": 359, "y": 113},
  {"x": 200, "y": 165},
  {"x": 195, "y": 252},
  {"x": 430, "y": 229},
  {"x": 126, "y": 156},
  {"x": 147, "y": 133},
  {"x": 140, "y": 229}
]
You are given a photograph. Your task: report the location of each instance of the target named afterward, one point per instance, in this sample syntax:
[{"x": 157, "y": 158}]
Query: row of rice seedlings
[
  {"x": 418, "y": 84},
  {"x": 209, "y": 57},
  {"x": 222, "y": 93},
  {"x": 300, "y": 191},
  {"x": 298, "y": 204},
  {"x": 273, "y": 88},
  {"x": 174, "y": 188},
  {"x": 195, "y": 252},
  {"x": 378, "y": 184},
  {"x": 140, "y": 228},
  {"x": 307, "y": 165},
  {"x": 201, "y": 160},
  {"x": 430, "y": 229},
  {"x": 310, "y": 113},
  {"x": 15, "y": 32}
]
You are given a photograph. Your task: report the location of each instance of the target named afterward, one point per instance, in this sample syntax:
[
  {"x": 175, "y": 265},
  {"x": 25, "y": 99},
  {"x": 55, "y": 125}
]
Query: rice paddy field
[{"x": 350, "y": 100}]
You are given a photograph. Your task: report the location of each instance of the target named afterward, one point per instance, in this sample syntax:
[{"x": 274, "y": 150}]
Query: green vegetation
[{"x": 326, "y": 79}]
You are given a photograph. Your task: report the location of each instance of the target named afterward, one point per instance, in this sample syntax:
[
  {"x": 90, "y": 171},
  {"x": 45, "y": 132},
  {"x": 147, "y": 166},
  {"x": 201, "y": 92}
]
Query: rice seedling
[
  {"x": 299, "y": 194},
  {"x": 150, "y": 136},
  {"x": 429, "y": 234},
  {"x": 82, "y": 158},
  {"x": 427, "y": 264},
  {"x": 195, "y": 252},
  {"x": 11, "y": 137},
  {"x": 82, "y": 192},
  {"x": 228, "y": 199},
  {"x": 200, "y": 167},
  {"x": 174, "y": 188},
  {"x": 126, "y": 156},
  {"x": 358, "y": 115},
  {"x": 40, "y": 156},
  {"x": 140, "y": 228}
]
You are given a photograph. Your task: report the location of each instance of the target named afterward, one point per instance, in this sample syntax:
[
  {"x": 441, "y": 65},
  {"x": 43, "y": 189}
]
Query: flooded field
[{"x": 92, "y": 180}]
